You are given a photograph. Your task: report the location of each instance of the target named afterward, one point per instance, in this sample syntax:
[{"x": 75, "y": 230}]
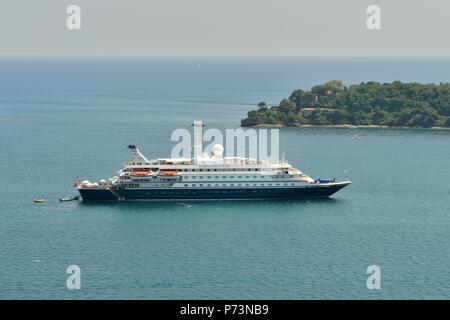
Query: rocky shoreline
[{"x": 339, "y": 126}]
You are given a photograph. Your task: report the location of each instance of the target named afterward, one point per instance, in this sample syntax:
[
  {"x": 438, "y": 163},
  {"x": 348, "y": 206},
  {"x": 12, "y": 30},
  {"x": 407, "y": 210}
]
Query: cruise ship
[{"x": 206, "y": 177}]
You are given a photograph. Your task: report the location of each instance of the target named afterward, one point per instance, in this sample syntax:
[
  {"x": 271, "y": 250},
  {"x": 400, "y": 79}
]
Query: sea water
[{"x": 67, "y": 117}]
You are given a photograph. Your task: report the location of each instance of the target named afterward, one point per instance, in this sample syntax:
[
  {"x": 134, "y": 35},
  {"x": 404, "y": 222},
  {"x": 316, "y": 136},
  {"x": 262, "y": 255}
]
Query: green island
[{"x": 372, "y": 104}]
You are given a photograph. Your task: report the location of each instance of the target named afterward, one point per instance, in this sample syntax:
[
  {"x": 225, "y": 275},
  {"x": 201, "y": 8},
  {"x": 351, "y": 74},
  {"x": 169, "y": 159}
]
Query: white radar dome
[{"x": 217, "y": 150}]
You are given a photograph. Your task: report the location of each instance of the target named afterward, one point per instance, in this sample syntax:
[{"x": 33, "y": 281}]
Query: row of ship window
[
  {"x": 232, "y": 177},
  {"x": 217, "y": 191},
  {"x": 239, "y": 184},
  {"x": 207, "y": 170},
  {"x": 135, "y": 185},
  {"x": 210, "y": 177}
]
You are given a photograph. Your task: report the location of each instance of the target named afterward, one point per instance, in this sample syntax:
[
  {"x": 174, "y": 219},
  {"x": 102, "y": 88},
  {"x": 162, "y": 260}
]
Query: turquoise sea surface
[{"x": 67, "y": 117}]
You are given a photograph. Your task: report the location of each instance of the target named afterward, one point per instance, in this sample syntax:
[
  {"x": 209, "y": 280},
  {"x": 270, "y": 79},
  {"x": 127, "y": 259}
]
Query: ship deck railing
[{"x": 215, "y": 163}]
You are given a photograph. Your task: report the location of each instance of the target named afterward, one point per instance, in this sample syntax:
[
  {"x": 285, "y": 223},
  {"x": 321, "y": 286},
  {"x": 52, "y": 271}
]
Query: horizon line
[{"x": 220, "y": 56}]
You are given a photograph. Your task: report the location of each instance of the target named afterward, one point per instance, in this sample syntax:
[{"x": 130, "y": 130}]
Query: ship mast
[{"x": 198, "y": 136}]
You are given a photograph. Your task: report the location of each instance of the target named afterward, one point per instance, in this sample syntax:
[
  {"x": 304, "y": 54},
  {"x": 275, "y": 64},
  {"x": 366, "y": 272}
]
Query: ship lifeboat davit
[{"x": 168, "y": 173}]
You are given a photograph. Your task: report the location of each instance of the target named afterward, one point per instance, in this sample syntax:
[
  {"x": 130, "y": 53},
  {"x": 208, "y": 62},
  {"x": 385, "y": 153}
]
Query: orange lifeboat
[
  {"x": 141, "y": 173},
  {"x": 169, "y": 173}
]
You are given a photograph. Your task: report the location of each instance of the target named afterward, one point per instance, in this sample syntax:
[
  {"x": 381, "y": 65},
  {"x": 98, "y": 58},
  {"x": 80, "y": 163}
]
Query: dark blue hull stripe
[{"x": 212, "y": 194}]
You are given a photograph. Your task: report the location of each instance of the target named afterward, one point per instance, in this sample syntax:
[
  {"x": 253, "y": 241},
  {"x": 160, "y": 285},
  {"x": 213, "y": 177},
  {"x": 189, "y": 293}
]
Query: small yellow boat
[{"x": 39, "y": 200}]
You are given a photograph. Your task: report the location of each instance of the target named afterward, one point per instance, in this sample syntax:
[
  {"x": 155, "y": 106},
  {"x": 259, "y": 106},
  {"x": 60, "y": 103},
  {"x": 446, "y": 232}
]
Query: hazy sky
[{"x": 225, "y": 27}]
